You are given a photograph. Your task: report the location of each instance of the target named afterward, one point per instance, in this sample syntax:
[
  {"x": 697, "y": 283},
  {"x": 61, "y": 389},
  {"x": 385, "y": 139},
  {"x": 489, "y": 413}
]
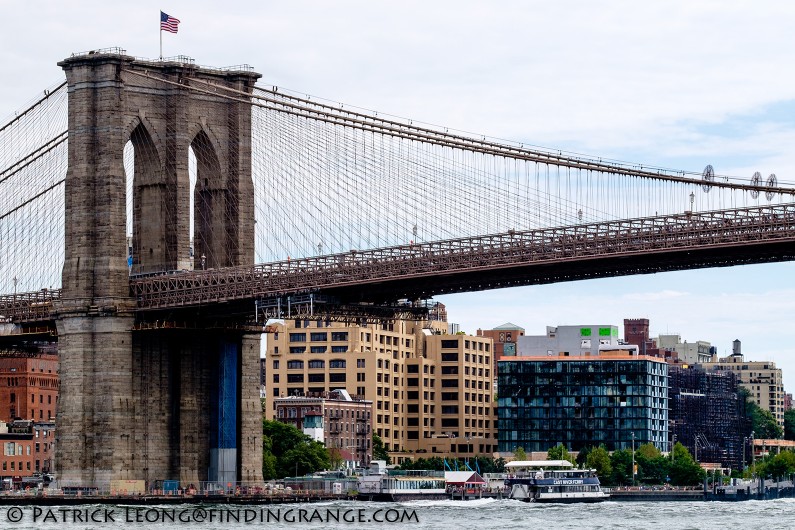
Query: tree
[
  {"x": 763, "y": 423},
  {"x": 621, "y": 462},
  {"x": 287, "y": 451},
  {"x": 519, "y": 454},
  {"x": 789, "y": 425},
  {"x": 379, "y": 452},
  {"x": 653, "y": 467},
  {"x": 648, "y": 451},
  {"x": 684, "y": 471},
  {"x": 582, "y": 456},
  {"x": 335, "y": 457},
  {"x": 780, "y": 465},
  {"x": 559, "y": 452},
  {"x": 599, "y": 460}
]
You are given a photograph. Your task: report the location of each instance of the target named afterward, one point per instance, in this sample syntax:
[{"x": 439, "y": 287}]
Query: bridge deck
[{"x": 651, "y": 244}]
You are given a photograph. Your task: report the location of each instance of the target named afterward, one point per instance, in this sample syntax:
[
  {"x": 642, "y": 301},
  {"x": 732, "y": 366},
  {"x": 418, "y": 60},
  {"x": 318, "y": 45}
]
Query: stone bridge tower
[{"x": 154, "y": 404}]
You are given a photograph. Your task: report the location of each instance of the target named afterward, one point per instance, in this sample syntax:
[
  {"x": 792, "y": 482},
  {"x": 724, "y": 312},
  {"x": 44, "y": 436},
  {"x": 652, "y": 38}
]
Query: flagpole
[{"x": 161, "y": 44}]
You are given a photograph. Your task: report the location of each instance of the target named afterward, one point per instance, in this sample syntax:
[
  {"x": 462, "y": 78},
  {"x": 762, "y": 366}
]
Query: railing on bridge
[
  {"x": 632, "y": 237},
  {"x": 29, "y": 307},
  {"x": 514, "y": 248}
]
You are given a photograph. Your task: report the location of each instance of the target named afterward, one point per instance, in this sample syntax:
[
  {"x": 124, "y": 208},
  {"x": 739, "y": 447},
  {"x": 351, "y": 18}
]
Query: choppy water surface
[{"x": 485, "y": 514}]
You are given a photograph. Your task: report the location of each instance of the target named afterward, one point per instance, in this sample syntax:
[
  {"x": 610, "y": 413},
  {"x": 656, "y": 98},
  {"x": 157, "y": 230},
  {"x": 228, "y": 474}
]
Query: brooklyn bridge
[{"x": 155, "y": 214}]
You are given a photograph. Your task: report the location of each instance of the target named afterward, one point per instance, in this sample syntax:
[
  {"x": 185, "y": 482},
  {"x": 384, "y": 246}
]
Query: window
[
  {"x": 317, "y": 364},
  {"x": 297, "y": 337},
  {"x": 297, "y": 349},
  {"x": 337, "y": 378},
  {"x": 276, "y": 365},
  {"x": 339, "y": 336},
  {"x": 275, "y": 378},
  {"x": 318, "y": 349},
  {"x": 317, "y": 378},
  {"x": 295, "y": 365},
  {"x": 295, "y": 378},
  {"x": 450, "y": 357},
  {"x": 339, "y": 349},
  {"x": 447, "y": 344},
  {"x": 360, "y": 363},
  {"x": 337, "y": 363},
  {"x": 319, "y": 337}
]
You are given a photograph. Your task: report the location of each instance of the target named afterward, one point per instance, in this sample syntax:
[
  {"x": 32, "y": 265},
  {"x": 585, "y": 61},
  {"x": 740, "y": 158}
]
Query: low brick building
[
  {"x": 27, "y": 449},
  {"x": 334, "y": 418}
]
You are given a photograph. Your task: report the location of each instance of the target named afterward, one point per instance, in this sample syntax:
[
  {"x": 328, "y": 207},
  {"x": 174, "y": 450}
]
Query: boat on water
[
  {"x": 403, "y": 486},
  {"x": 552, "y": 481}
]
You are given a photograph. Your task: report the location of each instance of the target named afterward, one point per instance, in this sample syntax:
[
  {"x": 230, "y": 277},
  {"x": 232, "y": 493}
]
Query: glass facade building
[{"x": 582, "y": 402}]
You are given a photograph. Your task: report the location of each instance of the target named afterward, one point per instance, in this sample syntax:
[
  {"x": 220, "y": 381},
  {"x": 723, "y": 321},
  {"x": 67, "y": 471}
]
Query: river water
[{"x": 484, "y": 514}]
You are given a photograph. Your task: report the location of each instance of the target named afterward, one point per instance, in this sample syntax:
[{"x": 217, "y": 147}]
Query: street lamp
[
  {"x": 692, "y": 199},
  {"x": 753, "y": 463},
  {"x": 695, "y": 446}
]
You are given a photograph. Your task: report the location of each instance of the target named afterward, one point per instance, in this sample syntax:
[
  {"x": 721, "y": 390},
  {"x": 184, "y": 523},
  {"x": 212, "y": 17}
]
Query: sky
[{"x": 678, "y": 84}]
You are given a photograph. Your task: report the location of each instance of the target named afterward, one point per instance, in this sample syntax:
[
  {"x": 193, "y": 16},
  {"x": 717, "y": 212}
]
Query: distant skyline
[{"x": 674, "y": 84}]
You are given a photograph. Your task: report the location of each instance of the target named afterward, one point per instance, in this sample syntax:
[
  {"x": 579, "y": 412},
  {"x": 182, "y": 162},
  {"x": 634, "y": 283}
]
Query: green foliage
[
  {"x": 379, "y": 453},
  {"x": 559, "y": 452},
  {"x": 780, "y": 465},
  {"x": 621, "y": 462},
  {"x": 599, "y": 460},
  {"x": 287, "y": 451},
  {"x": 335, "y": 457},
  {"x": 435, "y": 463},
  {"x": 486, "y": 464},
  {"x": 519, "y": 454},
  {"x": 789, "y": 425},
  {"x": 648, "y": 451},
  {"x": 653, "y": 467},
  {"x": 582, "y": 457},
  {"x": 684, "y": 471},
  {"x": 763, "y": 423}
]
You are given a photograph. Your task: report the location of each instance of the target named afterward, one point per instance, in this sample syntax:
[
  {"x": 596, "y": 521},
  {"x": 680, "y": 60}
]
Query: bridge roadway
[{"x": 612, "y": 248}]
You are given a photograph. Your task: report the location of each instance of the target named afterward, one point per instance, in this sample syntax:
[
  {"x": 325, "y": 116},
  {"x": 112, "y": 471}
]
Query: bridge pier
[{"x": 96, "y": 403}]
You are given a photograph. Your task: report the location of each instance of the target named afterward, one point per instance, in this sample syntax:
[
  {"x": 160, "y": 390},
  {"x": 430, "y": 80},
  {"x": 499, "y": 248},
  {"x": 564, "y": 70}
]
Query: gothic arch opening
[
  {"x": 150, "y": 207},
  {"x": 211, "y": 200}
]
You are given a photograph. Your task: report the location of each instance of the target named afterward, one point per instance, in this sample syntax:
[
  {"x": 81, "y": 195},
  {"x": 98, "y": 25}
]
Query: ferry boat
[
  {"x": 552, "y": 481},
  {"x": 380, "y": 484}
]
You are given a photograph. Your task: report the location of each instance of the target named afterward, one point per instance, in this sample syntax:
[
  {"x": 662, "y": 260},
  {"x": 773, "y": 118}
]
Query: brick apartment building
[{"x": 28, "y": 386}]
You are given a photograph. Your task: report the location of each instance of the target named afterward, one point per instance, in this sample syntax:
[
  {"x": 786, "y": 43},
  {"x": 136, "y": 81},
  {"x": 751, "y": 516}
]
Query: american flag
[{"x": 168, "y": 23}]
